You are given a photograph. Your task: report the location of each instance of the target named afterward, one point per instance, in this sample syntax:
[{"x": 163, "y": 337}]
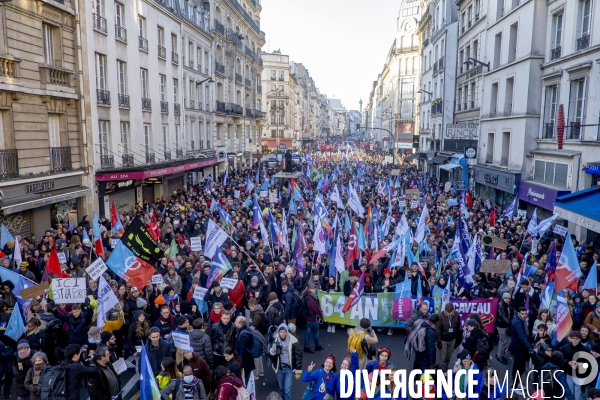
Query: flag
[
  {"x": 256, "y": 214},
  {"x": 215, "y": 236},
  {"x": 591, "y": 282},
  {"x": 543, "y": 226},
  {"x": 356, "y": 294},
  {"x": 148, "y": 386},
  {"x": 251, "y": 387},
  {"x": 15, "y": 327},
  {"x": 551, "y": 264},
  {"x": 335, "y": 196},
  {"x": 5, "y": 237},
  {"x": 98, "y": 247},
  {"x": 402, "y": 301},
  {"x": 547, "y": 296},
  {"x": 226, "y": 220},
  {"x": 319, "y": 237},
  {"x": 86, "y": 237},
  {"x": 567, "y": 268},
  {"x": 275, "y": 232},
  {"x": 492, "y": 219},
  {"x": 564, "y": 321},
  {"x": 402, "y": 226},
  {"x": 219, "y": 267},
  {"x": 420, "y": 233},
  {"x": 391, "y": 246},
  {"x": 153, "y": 228},
  {"x": 347, "y": 223},
  {"x": 172, "y": 252},
  {"x": 532, "y": 226},
  {"x": 54, "y": 264},
  {"x": 115, "y": 222},
  {"x": 299, "y": 247},
  {"x": 465, "y": 279},
  {"x": 17, "y": 252},
  {"x": 354, "y": 201},
  {"x": 352, "y": 251},
  {"x": 511, "y": 207},
  {"x": 106, "y": 301},
  {"x": 18, "y": 280}
]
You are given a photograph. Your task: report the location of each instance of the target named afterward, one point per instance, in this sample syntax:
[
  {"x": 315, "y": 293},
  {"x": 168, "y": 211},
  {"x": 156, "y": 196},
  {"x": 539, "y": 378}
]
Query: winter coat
[
  {"x": 417, "y": 315},
  {"x": 592, "y": 321},
  {"x": 97, "y": 384},
  {"x": 444, "y": 325},
  {"x": 553, "y": 389},
  {"x": 275, "y": 308},
  {"x": 370, "y": 338},
  {"x": 294, "y": 352},
  {"x": 227, "y": 385},
  {"x": 243, "y": 344},
  {"x": 156, "y": 354},
  {"x": 211, "y": 297},
  {"x": 35, "y": 338},
  {"x": 20, "y": 366},
  {"x": 319, "y": 377},
  {"x": 312, "y": 306},
  {"x": 78, "y": 327},
  {"x": 75, "y": 373},
  {"x": 175, "y": 282},
  {"x": 353, "y": 369},
  {"x": 201, "y": 345},
  {"x": 504, "y": 315},
  {"x": 290, "y": 308},
  {"x": 200, "y": 368},
  {"x": 236, "y": 295},
  {"x": 257, "y": 316},
  {"x": 33, "y": 390},
  {"x": 427, "y": 359},
  {"x": 259, "y": 293},
  {"x": 199, "y": 391},
  {"x": 221, "y": 337},
  {"x": 519, "y": 343}
]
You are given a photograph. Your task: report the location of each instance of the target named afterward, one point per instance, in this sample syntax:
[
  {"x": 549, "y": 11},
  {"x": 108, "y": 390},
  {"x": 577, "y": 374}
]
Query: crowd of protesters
[{"x": 272, "y": 293}]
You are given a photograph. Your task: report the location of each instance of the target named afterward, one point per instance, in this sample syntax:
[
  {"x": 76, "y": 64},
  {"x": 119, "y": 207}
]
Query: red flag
[
  {"x": 357, "y": 292},
  {"x": 54, "y": 264},
  {"x": 352, "y": 252},
  {"x": 468, "y": 199},
  {"x": 492, "y": 220},
  {"x": 153, "y": 229}
]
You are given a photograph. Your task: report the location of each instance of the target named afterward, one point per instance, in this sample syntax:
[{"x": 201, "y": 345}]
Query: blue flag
[
  {"x": 347, "y": 225},
  {"x": 5, "y": 237},
  {"x": 148, "y": 387},
  {"x": 591, "y": 282},
  {"x": 15, "y": 327}
]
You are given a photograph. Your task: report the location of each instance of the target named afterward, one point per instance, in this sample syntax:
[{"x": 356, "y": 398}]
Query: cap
[
  {"x": 23, "y": 343},
  {"x": 134, "y": 289},
  {"x": 24, "y": 264},
  {"x": 254, "y": 279},
  {"x": 387, "y": 271},
  {"x": 105, "y": 336},
  {"x": 140, "y": 303},
  {"x": 95, "y": 331},
  {"x": 472, "y": 323},
  {"x": 181, "y": 320},
  {"x": 506, "y": 296}
]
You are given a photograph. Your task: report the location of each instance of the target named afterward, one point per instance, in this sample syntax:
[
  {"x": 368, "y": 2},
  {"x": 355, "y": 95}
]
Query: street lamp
[
  {"x": 209, "y": 80},
  {"x": 476, "y": 61}
]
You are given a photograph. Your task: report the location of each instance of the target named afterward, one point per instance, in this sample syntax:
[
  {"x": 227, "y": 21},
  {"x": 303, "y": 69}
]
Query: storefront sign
[
  {"x": 593, "y": 169},
  {"x": 221, "y": 154},
  {"x": 500, "y": 180},
  {"x": 538, "y": 195},
  {"x": 153, "y": 181},
  {"x": 490, "y": 178},
  {"x": 470, "y": 153},
  {"x": 124, "y": 176},
  {"x": 461, "y": 131},
  {"x": 578, "y": 219},
  {"x": 39, "y": 187}
]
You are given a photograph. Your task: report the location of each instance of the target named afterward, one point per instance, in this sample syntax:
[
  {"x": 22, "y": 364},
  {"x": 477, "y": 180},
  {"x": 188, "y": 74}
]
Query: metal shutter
[
  {"x": 148, "y": 194},
  {"x": 19, "y": 223},
  {"x": 124, "y": 201},
  {"x": 173, "y": 184}
]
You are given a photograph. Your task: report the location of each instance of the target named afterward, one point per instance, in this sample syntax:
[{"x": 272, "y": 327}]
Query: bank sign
[{"x": 461, "y": 131}]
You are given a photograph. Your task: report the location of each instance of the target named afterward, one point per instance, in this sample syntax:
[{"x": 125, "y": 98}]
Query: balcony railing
[
  {"x": 174, "y": 58},
  {"x": 146, "y": 104},
  {"x": 179, "y": 153},
  {"x": 124, "y": 100},
  {"x": 436, "y": 108},
  {"x": 458, "y": 108},
  {"x": 143, "y": 43},
  {"x": 441, "y": 63},
  {"x": 103, "y": 97},
  {"x": 177, "y": 108},
  {"x": 128, "y": 160},
  {"x": 219, "y": 27},
  {"x": 167, "y": 155},
  {"x": 555, "y": 53},
  {"x": 99, "y": 23},
  {"x": 238, "y": 78},
  {"x": 52, "y": 75},
  {"x": 107, "y": 161},
  {"x": 435, "y": 67},
  {"x": 548, "y": 132},
  {"x": 150, "y": 158},
  {"x": 164, "y": 107},
  {"x": 583, "y": 42},
  {"x": 573, "y": 131},
  {"x": 162, "y": 52},
  {"x": 236, "y": 109},
  {"x": 476, "y": 17},
  {"x": 121, "y": 33},
  {"x": 9, "y": 163},
  {"x": 233, "y": 37},
  {"x": 248, "y": 83},
  {"x": 220, "y": 69},
  {"x": 60, "y": 159},
  {"x": 247, "y": 17}
]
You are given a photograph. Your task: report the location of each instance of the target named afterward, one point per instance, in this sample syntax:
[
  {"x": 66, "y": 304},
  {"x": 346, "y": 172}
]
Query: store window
[{"x": 551, "y": 173}]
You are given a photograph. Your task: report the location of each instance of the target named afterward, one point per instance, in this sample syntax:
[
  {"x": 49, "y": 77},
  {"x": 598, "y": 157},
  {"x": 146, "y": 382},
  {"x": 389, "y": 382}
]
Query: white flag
[
  {"x": 106, "y": 301},
  {"x": 543, "y": 226},
  {"x": 263, "y": 232},
  {"x": 354, "y": 201},
  {"x": 335, "y": 196},
  {"x": 402, "y": 226},
  {"x": 319, "y": 237},
  {"x": 17, "y": 252},
  {"x": 420, "y": 234},
  {"x": 338, "y": 261},
  {"x": 532, "y": 227},
  {"x": 215, "y": 237},
  {"x": 284, "y": 236}
]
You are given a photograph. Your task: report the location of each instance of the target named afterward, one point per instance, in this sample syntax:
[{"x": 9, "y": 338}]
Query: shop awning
[
  {"x": 449, "y": 167},
  {"x": 411, "y": 157},
  {"x": 439, "y": 159},
  {"x": 45, "y": 200},
  {"x": 581, "y": 208}
]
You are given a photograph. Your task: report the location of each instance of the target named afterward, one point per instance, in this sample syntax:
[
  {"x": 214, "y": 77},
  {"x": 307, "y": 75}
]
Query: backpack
[
  {"x": 355, "y": 341},
  {"x": 300, "y": 305},
  {"x": 242, "y": 393},
  {"x": 52, "y": 383},
  {"x": 275, "y": 316},
  {"x": 419, "y": 342},
  {"x": 258, "y": 344},
  {"x": 483, "y": 349}
]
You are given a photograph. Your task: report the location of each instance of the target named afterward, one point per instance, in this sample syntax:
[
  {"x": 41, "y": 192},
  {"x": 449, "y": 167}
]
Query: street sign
[{"x": 470, "y": 153}]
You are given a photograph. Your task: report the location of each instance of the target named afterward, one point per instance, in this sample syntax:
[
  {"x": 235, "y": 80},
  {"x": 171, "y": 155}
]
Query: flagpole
[{"x": 250, "y": 257}]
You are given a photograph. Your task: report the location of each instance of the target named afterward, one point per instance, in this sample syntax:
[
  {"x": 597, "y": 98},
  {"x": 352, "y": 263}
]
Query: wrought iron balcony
[
  {"x": 583, "y": 42},
  {"x": 143, "y": 43},
  {"x": 223, "y": 107},
  {"x": 177, "y": 108},
  {"x": 457, "y": 107},
  {"x": 233, "y": 37},
  {"x": 124, "y": 100},
  {"x": 174, "y": 58},
  {"x": 103, "y": 97},
  {"x": 164, "y": 107},
  {"x": 162, "y": 52},
  {"x": 9, "y": 163},
  {"x": 548, "y": 132},
  {"x": 167, "y": 155},
  {"x": 236, "y": 109},
  {"x": 248, "y": 83},
  {"x": 238, "y": 78},
  {"x": 128, "y": 160},
  {"x": 441, "y": 63},
  {"x": 555, "y": 53},
  {"x": 472, "y": 103},
  {"x": 246, "y": 16},
  {"x": 146, "y": 104},
  {"x": 99, "y": 23},
  {"x": 573, "y": 131},
  {"x": 150, "y": 158},
  {"x": 219, "y": 27},
  {"x": 220, "y": 69},
  {"x": 121, "y": 33},
  {"x": 60, "y": 159},
  {"x": 476, "y": 17},
  {"x": 107, "y": 162},
  {"x": 179, "y": 153}
]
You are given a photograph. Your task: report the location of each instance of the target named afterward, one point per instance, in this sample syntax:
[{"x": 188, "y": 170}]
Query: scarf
[
  {"x": 412, "y": 336},
  {"x": 36, "y": 375},
  {"x": 190, "y": 386},
  {"x": 214, "y": 317},
  {"x": 270, "y": 304},
  {"x": 170, "y": 320},
  {"x": 26, "y": 355}
]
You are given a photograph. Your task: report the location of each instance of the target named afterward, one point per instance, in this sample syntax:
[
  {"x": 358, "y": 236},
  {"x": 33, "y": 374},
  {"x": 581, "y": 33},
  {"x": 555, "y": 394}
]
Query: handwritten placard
[
  {"x": 273, "y": 197},
  {"x": 497, "y": 266},
  {"x": 196, "y": 243},
  {"x": 228, "y": 283},
  {"x": 452, "y": 202},
  {"x": 414, "y": 204},
  {"x": 62, "y": 258},
  {"x": 96, "y": 269},
  {"x": 181, "y": 340},
  {"x": 402, "y": 204},
  {"x": 199, "y": 292},
  {"x": 114, "y": 242},
  {"x": 69, "y": 290},
  {"x": 236, "y": 194},
  {"x": 157, "y": 279},
  {"x": 560, "y": 230},
  {"x": 35, "y": 291},
  {"x": 264, "y": 193}
]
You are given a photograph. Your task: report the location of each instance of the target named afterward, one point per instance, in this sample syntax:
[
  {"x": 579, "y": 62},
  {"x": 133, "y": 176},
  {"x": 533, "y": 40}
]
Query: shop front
[
  {"x": 497, "y": 186},
  {"x": 533, "y": 195},
  {"x": 593, "y": 170},
  {"x": 30, "y": 206},
  {"x": 582, "y": 210}
]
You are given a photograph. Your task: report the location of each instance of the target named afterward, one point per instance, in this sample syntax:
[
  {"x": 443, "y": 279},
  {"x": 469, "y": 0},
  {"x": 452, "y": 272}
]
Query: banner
[{"x": 486, "y": 309}]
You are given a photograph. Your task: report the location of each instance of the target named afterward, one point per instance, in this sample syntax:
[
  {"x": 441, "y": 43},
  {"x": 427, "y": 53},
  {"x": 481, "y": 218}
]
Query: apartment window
[
  {"x": 489, "y": 155},
  {"x": 281, "y": 75},
  {"x": 206, "y": 63},
  {"x": 144, "y": 82},
  {"x": 175, "y": 86},
  {"x": 273, "y": 74},
  {"x": 165, "y": 137},
  {"x": 461, "y": 61},
  {"x": 125, "y": 141},
  {"x": 512, "y": 42},
  {"x": 470, "y": 15},
  {"x": 207, "y": 97},
  {"x": 475, "y": 46},
  {"x": 122, "y": 76},
  {"x": 161, "y": 36},
  {"x": 142, "y": 27},
  {"x": 473, "y": 94},
  {"x": 577, "y": 101},
  {"x": 54, "y": 130},
  {"x": 119, "y": 14},
  {"x": 98, "y": 7},
  {"x": 584, "y": 24},
  {"x": 162, "y": 87},
  {"x": 199, "y": 58},
  {"x": 100, "y": 71},
  {"x": 550, "y": 110},
  {"x": 103, "y": 137},
  {"x": 402, "y": 67},
  {"x": 468, "y": 56},
  {"x": 147, "y": 137},
  {"x": 556, "y": 39},
  {"x": 500, "y": 9},
  {"x": 494, "y": 100},
  {"x": 177, "y": 133},
  {"x": 497, "y": 49},
  {"x": 48, "y": 37},
  {"x": 508, "y": 96},
  {"x": 551, "y": 173},
  {"x": 505, "y": 149},
  {"x": 459, "y": 98},
  {"x": 191, "y": 54}
]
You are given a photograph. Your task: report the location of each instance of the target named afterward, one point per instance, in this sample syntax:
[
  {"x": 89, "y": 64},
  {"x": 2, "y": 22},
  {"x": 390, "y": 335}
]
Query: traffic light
[{"x": 358, "y": 128}]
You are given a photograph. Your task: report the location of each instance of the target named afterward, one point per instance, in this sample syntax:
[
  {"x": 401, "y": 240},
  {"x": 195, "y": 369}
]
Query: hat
[
  {"x": 10, "y": 244},
  {"x": 160, "y": 300},
  {"x": 140, "y": 303},
  {"x": 506, "y": 296},
  {"x": 272, "y": 296},
  {"x": 283, "y": 327},
  {"x": 387, "y": 271},
  {"x": 23, "y": 343},
  {"x": 289, "y": 269},
  {"x": 557, "y": 358},
  {"x": 464, "y": 355},
  {"x": 95, "y": 331},
  {"x": 24, "y": 264},
  {"x": 134, "y": 289},
  {"x": 105, "y": 336},
  {"x": 167, "y": 290},
  {"x": 292, "y": 328},
  {"x": 472, "y": 323},
  {"x": 254, "y": 279},
  {"x": 384, "y": 350},
  {"x": 181, "y": 320},
  {"x": 34, "y": 302}
]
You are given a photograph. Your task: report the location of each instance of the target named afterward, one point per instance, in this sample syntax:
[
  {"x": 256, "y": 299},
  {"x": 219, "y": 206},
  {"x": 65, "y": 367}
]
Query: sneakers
[
  {"x": 308, "y": 350},
  {"x": 379, "y": 329},
  {"x": 319, "y": 348},
  {"x": 329, "y": 329},
  {"x": 502, "y": 360},
  {"x": 333, "y": 329},
  {"x": 390, "y": 332}
]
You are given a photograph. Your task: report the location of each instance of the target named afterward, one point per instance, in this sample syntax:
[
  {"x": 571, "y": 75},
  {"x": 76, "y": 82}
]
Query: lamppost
[{"x": 392, "y": 135}]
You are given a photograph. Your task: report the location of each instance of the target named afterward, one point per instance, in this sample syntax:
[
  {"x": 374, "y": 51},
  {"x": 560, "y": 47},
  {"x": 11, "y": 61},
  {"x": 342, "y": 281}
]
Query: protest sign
[
  {"x": 494, "y": 241},
  {"x": 228, "y": 283},
  {"x": 96, "y": 269},
  {"x": 413, "y": 194},
  {"x": 35, "y": 291},
  {"x": 486, "y": 309},
  {"x": 120, "y": 366},
  {"x": 196, "y": 243},
  {"x": 273, "y": 197},
  {"x": 497, "y": 266},
  {"x": 402, "y": 204},
  {"x": 181, "y": 340},
  {"x": 236, "y": 194},
  {"x": 414, "y": 204},
  {"x": 452, "y": 202},
  {"x": 199, "y": 292},
  {"x": 69, "y": 290},
  {"x": 441, "y": 199},
  {"x": 560, "y": 230},
  {"x": 62, "y": 258},
  {"x": 264, "y": 193},
  {"x": 157, "y": 279},
  {"x": 114, "y": 242},
  {"x": 395, "y": 172}
]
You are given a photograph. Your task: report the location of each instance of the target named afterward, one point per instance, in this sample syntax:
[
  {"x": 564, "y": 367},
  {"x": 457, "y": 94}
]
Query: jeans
[
  {"x": 575, "y": 388},
  {"x": 502, "y": 342},
  {"x": 446, "y": 351},
  {"x": 285, "y": 380},
  {"x": 314, "y": 328}
]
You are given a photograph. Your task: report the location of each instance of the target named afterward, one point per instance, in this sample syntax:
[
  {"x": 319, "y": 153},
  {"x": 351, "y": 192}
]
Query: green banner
[{"x": 376, "y": 307}]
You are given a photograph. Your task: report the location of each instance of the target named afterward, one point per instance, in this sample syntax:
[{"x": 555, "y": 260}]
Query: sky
[{"x": 343, "y": 43}]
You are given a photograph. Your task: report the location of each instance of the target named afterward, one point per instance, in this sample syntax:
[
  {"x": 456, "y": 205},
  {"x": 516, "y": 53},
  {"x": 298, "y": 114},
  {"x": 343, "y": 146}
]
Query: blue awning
[
  {"x": 449, "y": 166},
  {"x": 581, "y": 208}
]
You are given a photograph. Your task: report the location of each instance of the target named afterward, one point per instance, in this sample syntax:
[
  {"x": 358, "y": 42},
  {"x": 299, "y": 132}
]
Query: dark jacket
[
  {"x": 519, "y": 343},
  {"x": 470, "y": 343},
  {"x": 256, "y": 319},
  {"x": 568, "y": 350},
  {"x": 200, "y": 369},
  {"x": 243, "y": 344},
  {"x": 74, "y": 375},
  {"x": 211, "y": 297},
  {"x": 36, "y": 339},
  {"x": 312, "y": 306},
  {"x": 554, "y": 389},
  {"x": 414, "y": 318},
  {"x": 221, "y": 337},
  {"x": 199, "y": 392},
  {"x": 20, "y": 366},
  {"x": 505, "y": 314},
  {"x": 156, "y": 354},
  {"x": 201, "y": 345},
  {"x": 78, "y": 327},
  {"x": 444, "y": 325},
  {"x": 273, "y": 312},
  {"x": 97, "y": 384},
  {"x": 290, "y": 308}
]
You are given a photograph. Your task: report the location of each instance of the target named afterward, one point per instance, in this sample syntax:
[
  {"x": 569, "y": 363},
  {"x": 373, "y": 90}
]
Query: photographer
[
  {"x": 104, "y": 384},
  {"x": 286, "y": 355},
  {"x": 74, "y": 355}
]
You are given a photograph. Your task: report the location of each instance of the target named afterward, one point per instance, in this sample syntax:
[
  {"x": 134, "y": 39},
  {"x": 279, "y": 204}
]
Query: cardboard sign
[
  {"x": 494, "y": 241},
  {"x": 199, "y": 292},
  {"x": 273, "y": 197},
  {"x": 228, "y": 283},
  {"x": 96, "y": 269},
  {"x": 114, "y": 242},
  {"x": 236, "y": 194},
  {"x": 395, "y": 172},
  {"x": 157, "y": 279},
  {"x": 447, "y": 187},
  {"x": 69, "y": 290},
  {"x": 196, "y": 243},
  {"x": 413, "y": 194},
  {"x": 35, "y": 291},
  {"x": 264, "y": 193},
  {"x": 560, "y": 230},
  {"x": 120, "y": 366},
  {"x": 414, "y": 204},
  {"x": 62, "y": 258},
  {"x": 452, "y": 202},
  {"x": 441, "y": 199},
  {"x": 402, "y": 204},
  {"x": 497, "y": 266},
  {"x": 181, "y": 340}
]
